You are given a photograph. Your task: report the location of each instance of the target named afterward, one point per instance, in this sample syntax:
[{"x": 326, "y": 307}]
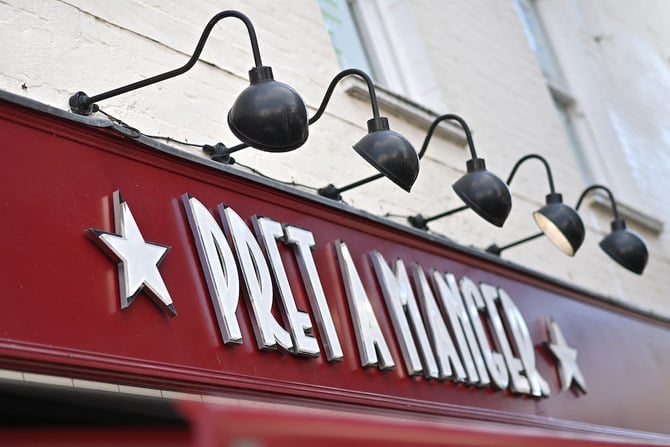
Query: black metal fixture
[
  {"x": 485, "y": 193},
  {"x": 267, "y": 115},
  {"x": 388, "y": 151},
  {"x": 625, "y": 247},
  {"x": 560, "y": 223},
  {"x": 481, "y": 190}
]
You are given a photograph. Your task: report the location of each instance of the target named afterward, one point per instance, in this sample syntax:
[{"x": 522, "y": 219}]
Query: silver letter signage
[
  {"x": 447, "y": 355},
  {"x": 302, "y": 242},
  {"x": 258, "y": 281},
  {"x": 447, "y": 329},
  {"x": 401, "y": 304},
  {"x": 368, "y": 333},
  {"x": 461, "y": 327},
  {"x": 270, "y": 231},
  {"x": 518, "y": 383},
  {"x": 524, "y": 345},
  {"x": 495, "y": 363},
  {"x": 218, "y": 266}
]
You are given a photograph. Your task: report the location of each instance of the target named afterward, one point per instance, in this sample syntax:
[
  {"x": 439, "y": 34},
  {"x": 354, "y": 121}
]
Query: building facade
[
  {"x": 613, "y": 65},
  {"x": 582, "y": 84}
]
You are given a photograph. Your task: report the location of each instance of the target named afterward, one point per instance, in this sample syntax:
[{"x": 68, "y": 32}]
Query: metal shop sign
[
  {"x": 443, "y": 330},
  {"x": 142, "y": 266}
]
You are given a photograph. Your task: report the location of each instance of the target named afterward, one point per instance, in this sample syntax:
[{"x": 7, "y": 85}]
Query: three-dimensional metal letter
[
  {"x": 369, "y": 336},
  {"x": 269, "y": 333},
  {"x": 518, "y": 383},
  {"x": 302, "y": 242},
  {"x": 524, "y": 345},
  {"x": 218, "y": 266},
  {"x": 495, "y": 363},
  {"x": 299, "y": 322},
  {"x": 401, "y": 304},
  {"x": 459, "y": 321},
  {"x": 445, "y": 351}
]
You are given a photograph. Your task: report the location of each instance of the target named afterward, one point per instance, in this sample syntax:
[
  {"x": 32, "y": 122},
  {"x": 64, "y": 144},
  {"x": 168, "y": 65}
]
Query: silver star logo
[
  {"x": 568, "y": 370},
  {"x": 137, "y": 259}
]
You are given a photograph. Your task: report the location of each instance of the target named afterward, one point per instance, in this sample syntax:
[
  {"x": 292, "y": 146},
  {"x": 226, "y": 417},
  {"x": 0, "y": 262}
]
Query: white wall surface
[{"x": 486, "y": 71}]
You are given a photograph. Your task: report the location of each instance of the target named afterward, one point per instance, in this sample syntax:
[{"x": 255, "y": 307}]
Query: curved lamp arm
[
  {"x": 519, "y": 162},
  {"x": 329, "y": 92},
  {"x": 431, "y": 129},
  {"x": 609, "y": 193},
  {"x": 82, "y": 104},
  {"x": 450, "y": 117}
]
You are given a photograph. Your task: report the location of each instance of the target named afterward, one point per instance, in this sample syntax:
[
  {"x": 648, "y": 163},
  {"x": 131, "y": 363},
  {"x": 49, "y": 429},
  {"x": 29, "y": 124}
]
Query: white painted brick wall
[{"x": 480, "y": 56}]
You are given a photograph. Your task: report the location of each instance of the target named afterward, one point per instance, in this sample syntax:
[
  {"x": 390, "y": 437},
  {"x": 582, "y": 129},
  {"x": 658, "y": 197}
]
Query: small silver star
[
  {"x": 137, "y": 259},
  {"x": 568, "y": 370}
]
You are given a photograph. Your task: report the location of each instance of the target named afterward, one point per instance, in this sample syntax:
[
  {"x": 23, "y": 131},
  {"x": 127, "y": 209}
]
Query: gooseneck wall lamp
[
  {"x": 481, "y": 190},
  {"x": 388, "y": 151},
  {"x": 267, "y": 115},
  {"x": 625, "y": 247},
  {"x": 560, "y": 223}
]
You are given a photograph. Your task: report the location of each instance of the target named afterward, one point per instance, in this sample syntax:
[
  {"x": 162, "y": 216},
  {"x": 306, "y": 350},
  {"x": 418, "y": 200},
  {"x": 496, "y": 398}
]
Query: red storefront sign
[{"x": 73, "y": 194}]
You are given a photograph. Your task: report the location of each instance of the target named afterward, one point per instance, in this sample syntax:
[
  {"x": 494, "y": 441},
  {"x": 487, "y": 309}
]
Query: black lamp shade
[
  {"x": 390, "y": 153},
  {"x": 484, "y": 193},
  {"x": 561, "y": 224},
  {"x": 269, "y": 115},
  {"x": 625, "y": 247}
]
